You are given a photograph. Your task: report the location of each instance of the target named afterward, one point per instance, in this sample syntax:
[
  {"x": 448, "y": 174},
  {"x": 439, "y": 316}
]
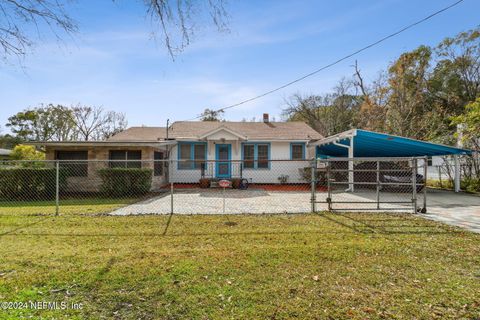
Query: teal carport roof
[{"x": 375, "y": 144}]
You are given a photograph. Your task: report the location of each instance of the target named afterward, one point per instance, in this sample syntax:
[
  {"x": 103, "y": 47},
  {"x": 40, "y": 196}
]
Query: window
[
  {"x": 128, "y": 157},
  {"x": 73, "y": 168},
  {"x": 256, "y": 156},
  {"x": 158, "y": 163},
  {"x": 185, "y": 153},
  {"x": 248, "y": 156},
  {"x": 429, "y": 161},
  {"x": 297, "y": 151},
  {"x": 198, "y": 155},
  {"x": 262, "y": 156},
  {"x": 191, "y": 155}
]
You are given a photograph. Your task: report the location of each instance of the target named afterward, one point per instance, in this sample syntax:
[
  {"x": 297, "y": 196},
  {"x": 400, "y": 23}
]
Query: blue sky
[{"x": 114, "y": 63}]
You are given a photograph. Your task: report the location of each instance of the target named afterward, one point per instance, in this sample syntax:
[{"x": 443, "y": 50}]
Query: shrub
[
  {"x": 117, "y": 182},
  {"x": 236, "y": 182},
  {"x": 306, "y": 175},
  {"x": 283, "y": 179},
  {"x": 444, "y": 184},
  {"x": 24, "y": 183},
  {"x": 24, "y": 152},
  {"x": 470, "y": 185},
  {"x": 204, "y": 183}
]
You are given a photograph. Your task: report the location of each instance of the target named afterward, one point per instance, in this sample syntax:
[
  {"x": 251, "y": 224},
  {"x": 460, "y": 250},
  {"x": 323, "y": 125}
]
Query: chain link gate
[{"x": 370, "y": 184}]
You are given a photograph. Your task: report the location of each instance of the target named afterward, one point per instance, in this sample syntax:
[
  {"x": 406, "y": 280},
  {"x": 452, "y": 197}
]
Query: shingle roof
[
  {"x": 196, "y": 129},
  {"x": 136, "y": 134}
]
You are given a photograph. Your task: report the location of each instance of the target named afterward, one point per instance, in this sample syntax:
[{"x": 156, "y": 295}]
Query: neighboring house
[
  {"x": 439, "y": 166},
  {"x": 220, "y": 150},
  {"x": 5, "y": 154}
]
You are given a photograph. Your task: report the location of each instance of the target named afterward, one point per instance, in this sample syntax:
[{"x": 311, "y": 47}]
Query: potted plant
[
  {"x": 204, "y": 183},
  {"x": 236, "y": 183},
  {"x": 283, "y": 179}
]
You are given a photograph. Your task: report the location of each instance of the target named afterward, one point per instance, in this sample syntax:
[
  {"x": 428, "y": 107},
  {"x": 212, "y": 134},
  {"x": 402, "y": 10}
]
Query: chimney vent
[{"x": 265, "y": 118}]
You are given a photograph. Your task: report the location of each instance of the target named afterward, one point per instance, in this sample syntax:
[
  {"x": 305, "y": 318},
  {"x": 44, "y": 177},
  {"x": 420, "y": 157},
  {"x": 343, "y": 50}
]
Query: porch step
[{"x": 214, "y": 183}]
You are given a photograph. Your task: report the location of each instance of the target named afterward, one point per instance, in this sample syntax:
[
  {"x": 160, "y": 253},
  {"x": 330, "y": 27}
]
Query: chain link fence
[
  {"x": 126, "y": 187},
  {"x": 130, "y": 187},
  {"x": 372, "y": 184},
  {"x": 441, "y": 173}
]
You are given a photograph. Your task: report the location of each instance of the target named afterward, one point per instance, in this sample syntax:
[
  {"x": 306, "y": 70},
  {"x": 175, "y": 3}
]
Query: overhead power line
[{"x": 338, "y": 60}]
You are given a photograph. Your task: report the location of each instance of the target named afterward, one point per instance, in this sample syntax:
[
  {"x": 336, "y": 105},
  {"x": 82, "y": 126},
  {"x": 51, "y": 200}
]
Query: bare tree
[
  {"x": 212, "y": 115},
  {"x": 173, "y": 21},
  {"x": 374, "y": 104},
  {"x": 93, "y": 123},
  {"x": 177, "y": 20},
  {"x": 114, "y": 123},
  {"x": 328, "y": 114},
  {"x": 18, "y": 17}
]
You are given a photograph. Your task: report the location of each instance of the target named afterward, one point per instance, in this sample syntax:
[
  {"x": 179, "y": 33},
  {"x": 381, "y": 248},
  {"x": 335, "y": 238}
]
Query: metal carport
[{"x": 363, "y": 143}]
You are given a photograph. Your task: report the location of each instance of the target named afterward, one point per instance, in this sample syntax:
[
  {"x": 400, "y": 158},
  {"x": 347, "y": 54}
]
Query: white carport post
[
  {"x": 350, "y": 162},
  {"x": 335, "y": 140},
  {"x": 350, "y": 166},
  {"x": 456, "y": 180}
]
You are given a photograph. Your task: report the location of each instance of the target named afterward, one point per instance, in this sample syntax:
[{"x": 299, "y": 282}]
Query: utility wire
[{"x": 337, "y": 61}]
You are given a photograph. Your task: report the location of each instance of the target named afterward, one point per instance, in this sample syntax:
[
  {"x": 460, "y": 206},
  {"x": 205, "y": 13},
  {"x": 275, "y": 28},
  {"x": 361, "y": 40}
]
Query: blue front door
[{"x": 223, "y": 157}]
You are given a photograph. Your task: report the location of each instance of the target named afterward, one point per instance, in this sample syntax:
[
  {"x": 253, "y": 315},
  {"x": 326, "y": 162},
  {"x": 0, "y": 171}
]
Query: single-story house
[
  {"x": 196, "y": 149},
  {"x": 5, "y": 154}
]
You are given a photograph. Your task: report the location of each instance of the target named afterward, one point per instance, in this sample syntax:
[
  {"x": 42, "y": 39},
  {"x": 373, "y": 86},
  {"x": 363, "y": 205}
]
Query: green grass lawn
[
  {"x": 87, "y": 205},
  {"x": 324, "y": 266}
]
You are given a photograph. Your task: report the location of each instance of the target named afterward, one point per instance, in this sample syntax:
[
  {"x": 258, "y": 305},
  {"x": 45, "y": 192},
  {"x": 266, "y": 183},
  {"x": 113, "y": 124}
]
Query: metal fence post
[
  {"x": 223, "y": 200},
  {"x": 313, "y": 186},
  {"x": 414, "y": 185},
  {"x": 329, "y": 188},
  {"x": 57, "y": 187},
  {"x": 171, "y": 197},
  {"x": 425, "y": 171}
]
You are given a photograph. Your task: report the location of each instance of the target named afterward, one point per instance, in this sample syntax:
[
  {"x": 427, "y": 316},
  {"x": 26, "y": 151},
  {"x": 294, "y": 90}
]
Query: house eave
[
  {"x": 102, "y": 143},
  {"x": 182, "y": 139}
]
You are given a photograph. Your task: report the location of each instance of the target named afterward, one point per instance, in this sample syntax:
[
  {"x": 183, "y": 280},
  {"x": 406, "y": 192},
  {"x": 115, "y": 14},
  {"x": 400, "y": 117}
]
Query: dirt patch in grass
[{"x": 339, "y": 266}]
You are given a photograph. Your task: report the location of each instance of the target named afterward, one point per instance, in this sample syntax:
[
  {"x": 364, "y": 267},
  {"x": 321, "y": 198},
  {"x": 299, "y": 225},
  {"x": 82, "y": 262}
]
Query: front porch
[
  {"x": 291, "y": 187},
  {"x": 221, "y": 170}
]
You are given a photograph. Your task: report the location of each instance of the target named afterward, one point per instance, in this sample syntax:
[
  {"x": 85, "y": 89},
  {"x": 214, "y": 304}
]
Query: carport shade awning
[{"x": 375, "y": 144}]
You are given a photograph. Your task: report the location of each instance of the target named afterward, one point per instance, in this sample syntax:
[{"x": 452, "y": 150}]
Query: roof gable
[{"x": 215, "y": 133}]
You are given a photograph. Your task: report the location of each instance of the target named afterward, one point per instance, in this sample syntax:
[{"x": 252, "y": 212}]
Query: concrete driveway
[{"x": 458, "y": 209}]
